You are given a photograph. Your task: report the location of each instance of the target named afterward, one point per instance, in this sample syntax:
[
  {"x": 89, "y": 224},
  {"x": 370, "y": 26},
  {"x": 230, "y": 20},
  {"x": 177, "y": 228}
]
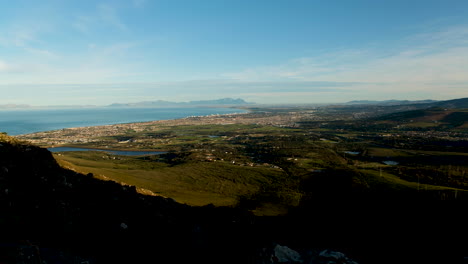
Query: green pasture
[{"x": 193, "y": 183}]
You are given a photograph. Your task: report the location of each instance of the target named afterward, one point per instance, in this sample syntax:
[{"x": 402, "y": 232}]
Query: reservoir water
[
  {"x": 17, "y": 122},
  {"x": 352, "y": 152}
]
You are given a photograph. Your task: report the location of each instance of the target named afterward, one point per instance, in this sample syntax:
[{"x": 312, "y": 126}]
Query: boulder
[{"x": 283, "y": 254}]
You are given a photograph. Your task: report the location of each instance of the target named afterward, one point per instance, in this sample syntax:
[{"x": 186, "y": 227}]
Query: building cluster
[{"x": 97, "y": 134}]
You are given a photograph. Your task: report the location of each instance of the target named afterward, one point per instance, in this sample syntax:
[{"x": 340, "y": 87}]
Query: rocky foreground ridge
[
  {"x": 50, "y": 214},
  {"x": 53, "y": 215}
]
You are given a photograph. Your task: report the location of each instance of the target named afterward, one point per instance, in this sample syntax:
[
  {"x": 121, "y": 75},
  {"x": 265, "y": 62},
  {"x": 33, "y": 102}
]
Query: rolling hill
[{"x": 435, "y": 117}]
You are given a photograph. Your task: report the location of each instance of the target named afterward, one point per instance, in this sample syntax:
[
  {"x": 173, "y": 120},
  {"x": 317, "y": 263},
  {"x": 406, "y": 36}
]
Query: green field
[
  {"x": 268, "y": 169},
  {"x": 195, "y": 183}
]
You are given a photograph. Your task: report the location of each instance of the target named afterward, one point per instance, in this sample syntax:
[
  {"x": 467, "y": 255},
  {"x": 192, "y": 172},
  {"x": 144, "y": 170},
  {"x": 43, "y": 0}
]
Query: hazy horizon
[{"x": 268, "y": 52}]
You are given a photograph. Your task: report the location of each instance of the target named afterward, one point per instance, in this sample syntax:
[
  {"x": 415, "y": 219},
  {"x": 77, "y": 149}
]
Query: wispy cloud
[
  {"x": 424, "y": 63},
  {"x": 138, "y": 3},
  {"x": 25, "y": 38},
  {"x": 83, "y": 23},
  {"x": 305, "y": 68},
  {"x": 4, "y": 67},
  {"x": 442, "y": 37},
  {"x": 104, "y": 15},
  {"x": 18, "y": 36},
  {"x": 431, "y": 64},
  {"x": 15, "y": 70},
  {"x": 109, "y": 15},
  {"x": 41, "y": 52}
]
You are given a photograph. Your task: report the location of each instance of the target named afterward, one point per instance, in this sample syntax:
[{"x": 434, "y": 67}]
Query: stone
[{"x": 286, "y": 255}]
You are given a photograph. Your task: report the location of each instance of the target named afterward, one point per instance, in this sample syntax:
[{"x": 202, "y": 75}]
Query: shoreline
[
  {"x": 121, "y": 129},
  {"x": 22, "y": 124},
  {"x": 120, "y": 136}
]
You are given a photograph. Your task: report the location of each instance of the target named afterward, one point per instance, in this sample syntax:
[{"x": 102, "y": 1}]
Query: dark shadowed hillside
[
  {"x": 430, "y": 118},
  {"x": 80, "y": 217},
  {"x": 59, "y": 216},
  {"x": 455, "y": 103}
]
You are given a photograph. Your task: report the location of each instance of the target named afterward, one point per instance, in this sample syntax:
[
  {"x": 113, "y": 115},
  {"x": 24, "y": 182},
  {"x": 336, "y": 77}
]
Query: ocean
[{"x": 17, "y": 122}]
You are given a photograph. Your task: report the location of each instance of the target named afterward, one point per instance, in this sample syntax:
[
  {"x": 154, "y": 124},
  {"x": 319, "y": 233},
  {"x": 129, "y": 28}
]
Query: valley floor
[{"x": 269, "y": 160}]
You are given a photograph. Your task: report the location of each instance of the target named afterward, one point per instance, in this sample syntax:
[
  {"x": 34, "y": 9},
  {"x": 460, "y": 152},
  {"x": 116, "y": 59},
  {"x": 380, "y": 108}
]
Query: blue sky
[{"x": 56, "y": 52}]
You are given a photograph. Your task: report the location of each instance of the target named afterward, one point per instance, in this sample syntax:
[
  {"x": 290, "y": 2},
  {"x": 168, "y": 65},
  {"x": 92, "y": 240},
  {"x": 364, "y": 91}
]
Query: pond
[
  {"x": 352, "y": 152},
  {"x": 390, "y": 162},
  {"x": 115, "y": 152}
]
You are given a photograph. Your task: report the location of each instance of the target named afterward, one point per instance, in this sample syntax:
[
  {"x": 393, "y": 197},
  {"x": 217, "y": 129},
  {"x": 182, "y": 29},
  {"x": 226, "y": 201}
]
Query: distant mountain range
[
  {"x": 455, "y": 103},
  {"x": 161, "y": 103},
  {"x": 158, "y": 103},
  {"x": 14, "y": 106},
  {"x": 412, "y": 105},
  {"x": 389, "y": 102}
]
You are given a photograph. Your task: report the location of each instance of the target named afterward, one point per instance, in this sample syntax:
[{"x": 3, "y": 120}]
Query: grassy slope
[
  {"x": 221, "y": 183},
  {"x": 428, "y": 118},
  {"x": 299, "y": 152},
  {"x": 194, "y": 183},
  {"x": 377, "y": 176}
]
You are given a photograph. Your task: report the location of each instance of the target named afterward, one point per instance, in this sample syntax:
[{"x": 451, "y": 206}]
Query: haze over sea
[{"x": 17, "y": 122}]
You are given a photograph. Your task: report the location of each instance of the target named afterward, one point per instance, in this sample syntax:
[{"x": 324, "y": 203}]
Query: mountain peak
[
  {"x": 221, "y": 101},
  {"x": 160, "y": 103}
]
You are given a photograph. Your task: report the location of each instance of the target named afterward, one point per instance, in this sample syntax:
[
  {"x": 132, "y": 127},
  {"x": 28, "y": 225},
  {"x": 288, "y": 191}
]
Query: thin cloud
[
  {"x": 423, "y": 63},
  {"x": 139, "y": 3},
  {"x": 18, "y": 37},
  {"x": 83, "y": 24},
  {"x": 41, "y": 52},
  {"x": 109, "y": 15},
  {"x": 443, "y": 37},
  {"x": 16, "y": 69},
  {"x": 25, "y": 39},
  {"x": 25, "y": 31},
  {"x": 4, "y": 67},
  {"x": 103, "y": 15}
]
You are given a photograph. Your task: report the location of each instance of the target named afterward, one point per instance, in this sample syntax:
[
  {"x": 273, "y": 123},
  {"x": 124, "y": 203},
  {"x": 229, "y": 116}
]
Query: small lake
[
  {"x": 115, "y": 152},
  {"x": 390, "y": 162},
  {"x": 352, "y": 152}
]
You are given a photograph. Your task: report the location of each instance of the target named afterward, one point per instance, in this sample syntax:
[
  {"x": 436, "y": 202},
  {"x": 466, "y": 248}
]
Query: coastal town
[
  {"x": 94, "y": 134},
  {"x": 338, "y": 120}
]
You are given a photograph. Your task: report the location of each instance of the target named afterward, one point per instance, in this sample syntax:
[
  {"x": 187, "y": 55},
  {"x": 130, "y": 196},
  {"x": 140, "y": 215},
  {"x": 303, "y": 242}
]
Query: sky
[{"x": 64, "y": 52}]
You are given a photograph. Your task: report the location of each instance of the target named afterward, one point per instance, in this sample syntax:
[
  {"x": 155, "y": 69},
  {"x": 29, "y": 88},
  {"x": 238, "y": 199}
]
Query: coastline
[
  {"x": 119, "y": 136},
  {"x": 17, "y": 123},
  {"x": 75, "y": 136}
]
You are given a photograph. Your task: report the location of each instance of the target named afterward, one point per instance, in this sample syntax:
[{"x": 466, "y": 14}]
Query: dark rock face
[
  {"x": 56, "y": 208},
  {"x": 58, "y": 216},
  {"x": 50, "y": 213}
]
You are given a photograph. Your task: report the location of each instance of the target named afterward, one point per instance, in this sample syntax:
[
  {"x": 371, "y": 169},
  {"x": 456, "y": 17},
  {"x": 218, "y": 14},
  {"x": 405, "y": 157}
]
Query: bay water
[{"x": 17, "y": 122}]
